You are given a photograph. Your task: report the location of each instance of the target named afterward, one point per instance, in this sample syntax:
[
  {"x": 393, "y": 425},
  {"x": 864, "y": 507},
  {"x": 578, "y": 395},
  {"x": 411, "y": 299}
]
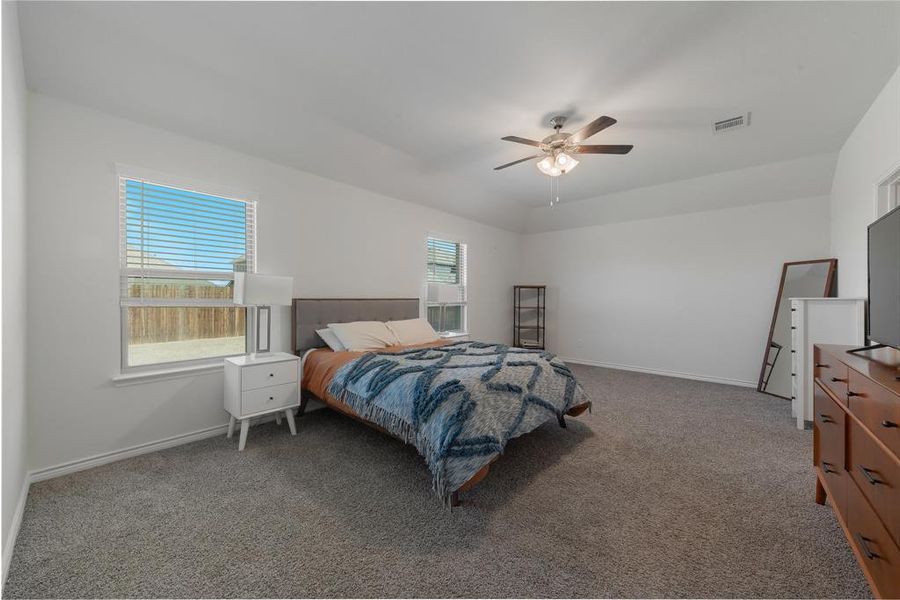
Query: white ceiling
[{"x": 410, "y": 99}]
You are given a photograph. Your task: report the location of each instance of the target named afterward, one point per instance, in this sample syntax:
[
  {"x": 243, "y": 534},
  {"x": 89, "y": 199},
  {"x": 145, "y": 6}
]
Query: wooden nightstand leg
[
  {"x": 278, "y": 418},
  {"x": 245, "y": 425},
  {"x": 230, "y": 425},
  {"x": 289, "y": 413}
]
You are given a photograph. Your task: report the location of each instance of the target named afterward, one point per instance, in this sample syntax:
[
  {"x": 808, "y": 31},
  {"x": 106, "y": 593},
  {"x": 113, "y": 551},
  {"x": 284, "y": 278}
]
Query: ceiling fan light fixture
[
  {"x": 570, "y": 164},
  {"x": 545, "y": 165}
]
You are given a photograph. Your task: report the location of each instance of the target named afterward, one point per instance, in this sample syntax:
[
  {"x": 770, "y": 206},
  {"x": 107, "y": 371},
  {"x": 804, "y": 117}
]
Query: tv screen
[{"x": 884, "y": 280}]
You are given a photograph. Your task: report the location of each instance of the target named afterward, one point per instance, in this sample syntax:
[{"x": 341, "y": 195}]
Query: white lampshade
[
  {"x": 252, "y": 289},
  {"x": 443, "y": 293}
]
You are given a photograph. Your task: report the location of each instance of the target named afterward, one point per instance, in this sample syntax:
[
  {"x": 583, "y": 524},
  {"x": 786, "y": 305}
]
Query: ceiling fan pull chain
[{"x": 551, "y": 191}]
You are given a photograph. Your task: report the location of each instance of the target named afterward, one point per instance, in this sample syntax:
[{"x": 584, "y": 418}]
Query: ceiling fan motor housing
[{"x": 557, "y": 122}]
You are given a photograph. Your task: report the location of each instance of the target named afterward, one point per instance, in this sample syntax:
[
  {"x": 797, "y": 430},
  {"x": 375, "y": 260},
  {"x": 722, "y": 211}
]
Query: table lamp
[{"x": 261, "y": 292}]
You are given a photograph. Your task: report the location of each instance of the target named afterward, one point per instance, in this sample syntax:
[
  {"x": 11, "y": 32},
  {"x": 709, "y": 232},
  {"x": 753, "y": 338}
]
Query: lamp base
[{"x": 258, "y": 348}]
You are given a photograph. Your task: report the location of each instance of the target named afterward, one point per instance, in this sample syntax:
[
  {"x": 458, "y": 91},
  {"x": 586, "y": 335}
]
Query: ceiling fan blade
[
  {"x": 521, "y": 140},
  {"x": 515, "y": 162},
  {"x": 590, "y": 129},
  {"x": 603, "y": 149}
]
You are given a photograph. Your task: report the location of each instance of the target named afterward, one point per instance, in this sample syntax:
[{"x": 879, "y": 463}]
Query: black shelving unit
[{"x": 529, "y": 311}]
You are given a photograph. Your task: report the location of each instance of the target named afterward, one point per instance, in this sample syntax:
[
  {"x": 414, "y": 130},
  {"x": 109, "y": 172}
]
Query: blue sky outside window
[{"x": 170, "y": 228}]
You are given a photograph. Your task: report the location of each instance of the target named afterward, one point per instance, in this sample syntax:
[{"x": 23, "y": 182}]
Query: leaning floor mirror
[{"x": 804, "y": 279}]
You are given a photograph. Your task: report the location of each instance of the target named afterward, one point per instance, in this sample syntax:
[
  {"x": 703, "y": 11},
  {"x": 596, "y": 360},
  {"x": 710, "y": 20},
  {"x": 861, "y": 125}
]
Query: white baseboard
[
  {"x": 663, "y": 372},
  {"x": 11, "y": 535},
  {"x": 108, "y": 457},
  {"x": 96, "y": 461}
]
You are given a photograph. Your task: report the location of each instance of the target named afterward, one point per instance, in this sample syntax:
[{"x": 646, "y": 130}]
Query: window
[
  {"x": 888, "y": 193},
  {"x": 446, "y": 276},
  {"x": 179, "y": 249}
]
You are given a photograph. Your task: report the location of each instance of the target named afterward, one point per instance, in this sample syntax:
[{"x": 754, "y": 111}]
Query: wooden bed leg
[
  {"x": 562, "y": 421},
  {"x": 454, "y": 499},
  {"x": 304, "y": 398},
  {"x": 820, "y": 492}
]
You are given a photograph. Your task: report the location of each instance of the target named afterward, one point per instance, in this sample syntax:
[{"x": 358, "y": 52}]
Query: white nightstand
[{"x": 268, "y": 383}]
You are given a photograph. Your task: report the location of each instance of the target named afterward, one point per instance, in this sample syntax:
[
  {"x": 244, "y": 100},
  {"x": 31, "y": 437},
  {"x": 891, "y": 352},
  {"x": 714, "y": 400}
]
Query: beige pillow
[
  {"x": 330, "y": 339},
  {"x": 413, "y": 331},
  {"x": 364, "y": 335}
]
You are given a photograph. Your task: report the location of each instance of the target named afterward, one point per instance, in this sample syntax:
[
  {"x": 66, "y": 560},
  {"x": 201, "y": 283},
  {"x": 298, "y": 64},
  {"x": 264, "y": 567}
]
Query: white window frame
[
  {"x": 462, "y": 285},
  {"x": 887, "y": 192},
  {"x": 123, "y": 173}
]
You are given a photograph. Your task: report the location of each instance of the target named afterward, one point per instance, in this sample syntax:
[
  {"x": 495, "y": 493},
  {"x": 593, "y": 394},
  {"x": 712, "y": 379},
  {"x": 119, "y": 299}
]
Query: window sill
[
  {"x": 137, "y": 377},
  {"x": 454, "y": 335}
]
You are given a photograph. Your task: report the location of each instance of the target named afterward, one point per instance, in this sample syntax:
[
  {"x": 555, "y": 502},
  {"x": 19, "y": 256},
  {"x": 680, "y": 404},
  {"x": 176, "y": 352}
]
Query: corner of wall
[{"x": 14, "y": 404}]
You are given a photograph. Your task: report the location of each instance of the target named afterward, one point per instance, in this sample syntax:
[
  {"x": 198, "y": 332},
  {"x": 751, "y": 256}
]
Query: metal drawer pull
[
  {"x": 838, "y": 379},
  {"x": 867, "y": 473},
  {"x": 888, "y": 424},
  {"x": 271, "y": 374},
  {"x": 822, "y": 366},
  {"x": 826, "y": 466},
  {"x": 864, "y": 546},
  {"x": 853, "y": 394},
  {"x": 271, "y": 397},
  {"x": 826, "y": 418}
]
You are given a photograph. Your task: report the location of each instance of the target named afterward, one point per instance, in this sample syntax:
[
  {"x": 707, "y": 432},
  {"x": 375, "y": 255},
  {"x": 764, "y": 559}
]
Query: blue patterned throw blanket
[{"x": 459, "y": 404}]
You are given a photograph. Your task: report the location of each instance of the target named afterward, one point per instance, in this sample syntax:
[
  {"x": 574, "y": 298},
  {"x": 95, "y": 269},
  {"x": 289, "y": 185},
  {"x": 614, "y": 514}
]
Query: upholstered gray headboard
[{"x": 309, "y": 314}]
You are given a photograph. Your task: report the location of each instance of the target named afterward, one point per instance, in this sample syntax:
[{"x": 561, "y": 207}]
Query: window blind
[
  {"x": 446, "y": 262},
  {"x": 446, "y": 265},
  {"x": 180, "y": 247}
]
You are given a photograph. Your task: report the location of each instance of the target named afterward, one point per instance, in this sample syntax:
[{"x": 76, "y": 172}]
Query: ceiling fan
[{"x": 557, "y": 150}]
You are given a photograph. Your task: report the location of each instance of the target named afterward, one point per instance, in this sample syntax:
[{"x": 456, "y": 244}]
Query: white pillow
[
  {"x": 413, "y": 331},
  {"x": 331, "y": 340},
  {"x": 364, "y": 335}
]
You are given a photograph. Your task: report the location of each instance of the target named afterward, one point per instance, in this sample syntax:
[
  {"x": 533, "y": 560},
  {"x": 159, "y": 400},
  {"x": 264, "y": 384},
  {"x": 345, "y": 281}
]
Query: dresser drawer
[
  {"x": 828, "y": 428},
  {"x": 829, "y": 446},
  {"x": 832, "y": 373},
  {"x": 270, "y": 398},
  {"x": 878, "y": 408},
  {"x": 879, "y": 555},
  {"x": 877, "y": 476},
  {"x": 275, "y": 373}
]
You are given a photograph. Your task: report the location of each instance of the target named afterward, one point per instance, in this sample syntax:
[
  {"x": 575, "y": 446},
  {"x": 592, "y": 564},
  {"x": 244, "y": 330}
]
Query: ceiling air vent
[{"x": 732, "y": 123}]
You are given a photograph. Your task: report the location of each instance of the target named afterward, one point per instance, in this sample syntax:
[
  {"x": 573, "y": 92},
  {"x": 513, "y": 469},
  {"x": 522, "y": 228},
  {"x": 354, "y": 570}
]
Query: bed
[{"x": 458, "y": 403}]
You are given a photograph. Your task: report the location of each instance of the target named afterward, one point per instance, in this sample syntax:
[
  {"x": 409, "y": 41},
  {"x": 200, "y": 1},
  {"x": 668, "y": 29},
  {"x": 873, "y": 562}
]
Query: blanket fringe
[
  {"x": 436, "y": 451},
  {"x": 399, "y": 429}
]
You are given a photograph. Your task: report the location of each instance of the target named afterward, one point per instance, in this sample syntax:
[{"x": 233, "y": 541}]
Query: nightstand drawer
[
  {"x": 276, "y": 373},
  {"x": 269, "y": 398}
]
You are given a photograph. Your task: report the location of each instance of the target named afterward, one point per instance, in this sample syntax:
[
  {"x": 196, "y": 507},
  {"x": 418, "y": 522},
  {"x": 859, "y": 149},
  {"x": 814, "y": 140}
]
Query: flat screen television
[{"x": 884, "y": 280}]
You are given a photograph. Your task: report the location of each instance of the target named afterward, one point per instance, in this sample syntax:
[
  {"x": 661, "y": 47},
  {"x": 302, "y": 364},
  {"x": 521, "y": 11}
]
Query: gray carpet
[{"x": 670, "y": 488}]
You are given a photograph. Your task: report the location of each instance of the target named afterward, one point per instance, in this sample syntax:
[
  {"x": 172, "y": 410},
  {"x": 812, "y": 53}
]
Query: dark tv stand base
[{"x": 867, "y": 348}]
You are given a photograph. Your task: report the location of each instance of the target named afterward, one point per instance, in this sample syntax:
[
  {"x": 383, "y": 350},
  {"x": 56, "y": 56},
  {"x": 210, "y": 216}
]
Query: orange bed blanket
[{"x": 322, "y": 364}]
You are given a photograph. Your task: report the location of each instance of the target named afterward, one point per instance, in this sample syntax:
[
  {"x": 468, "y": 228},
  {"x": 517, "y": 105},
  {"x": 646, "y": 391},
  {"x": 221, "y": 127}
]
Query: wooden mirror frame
[{"x": 828, "y": 292}]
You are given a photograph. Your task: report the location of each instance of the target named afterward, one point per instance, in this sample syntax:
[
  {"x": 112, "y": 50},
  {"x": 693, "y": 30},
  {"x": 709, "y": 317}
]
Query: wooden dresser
[{"x": 856, "y": 452}]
